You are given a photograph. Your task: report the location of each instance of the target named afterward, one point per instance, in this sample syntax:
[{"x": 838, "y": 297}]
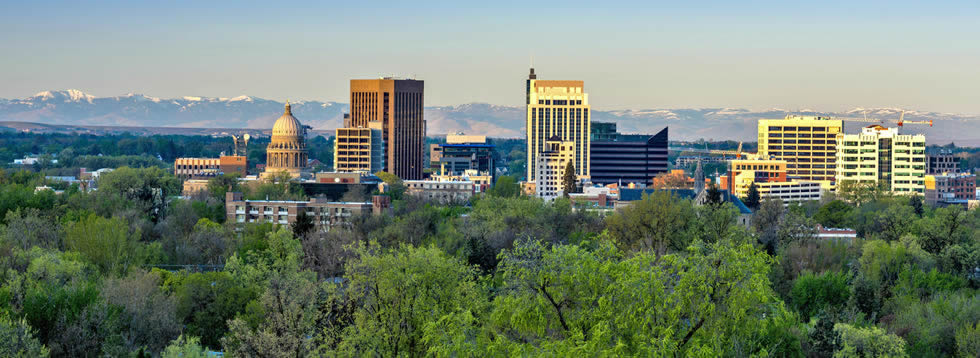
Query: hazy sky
[{"x": 823, "y": 55}]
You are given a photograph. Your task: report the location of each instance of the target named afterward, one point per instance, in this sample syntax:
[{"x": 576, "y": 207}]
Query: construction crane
[
  {"x": 724, "y": 153},
  {"x": 901, "y": 120},
  {"x": 737, "y": 153}
]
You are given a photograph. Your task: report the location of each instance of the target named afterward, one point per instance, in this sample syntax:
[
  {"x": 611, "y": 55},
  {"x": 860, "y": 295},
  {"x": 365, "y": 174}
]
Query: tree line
[{"x": 92, "y": 274}]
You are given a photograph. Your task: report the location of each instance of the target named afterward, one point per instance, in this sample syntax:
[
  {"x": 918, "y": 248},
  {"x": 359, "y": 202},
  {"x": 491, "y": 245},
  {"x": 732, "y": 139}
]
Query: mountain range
[{"x": 138, "y": 110}]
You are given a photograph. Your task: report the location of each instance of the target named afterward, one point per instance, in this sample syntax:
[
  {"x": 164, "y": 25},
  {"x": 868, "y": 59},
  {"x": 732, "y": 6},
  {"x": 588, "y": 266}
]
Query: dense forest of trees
[{"x": 130, "y": 270}]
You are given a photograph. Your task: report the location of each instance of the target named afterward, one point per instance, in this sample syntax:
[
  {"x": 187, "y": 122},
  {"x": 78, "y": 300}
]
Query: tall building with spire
[
  {"x": 287, "y": 149},
  {"x": 698, "y": 178},
  {"x": 557, "y": 110},
  {"x": 397, "y": 105}
]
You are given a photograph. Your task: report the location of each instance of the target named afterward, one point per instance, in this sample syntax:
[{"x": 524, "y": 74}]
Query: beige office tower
[
  {"x": 557, "y": 109},
  {"x": 807, "y": 144},
  {"x": 359, "y": 149},
  {"x": 880, "y": 155}
]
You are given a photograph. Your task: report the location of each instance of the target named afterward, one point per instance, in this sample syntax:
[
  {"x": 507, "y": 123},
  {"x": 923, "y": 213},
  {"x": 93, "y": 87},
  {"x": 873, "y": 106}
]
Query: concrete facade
[
  {"x": 882, "y": 155},
  {"x": 942, "y": 162},
  {"x": 457, "y": 158},
  {"x": 549, "y": 170},
  {"x": 770, "y": 178},
  {"x": 807, "y": 144},
  {"x": 359, "y": 149},
  {"x": 325, "y": 214},
  {"x": 441, "y": 191},
  {"x": 185, "y": 168}
]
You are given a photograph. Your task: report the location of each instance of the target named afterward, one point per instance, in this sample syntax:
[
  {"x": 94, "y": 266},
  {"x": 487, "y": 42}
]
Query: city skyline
[{"x": 755, "y": 56}]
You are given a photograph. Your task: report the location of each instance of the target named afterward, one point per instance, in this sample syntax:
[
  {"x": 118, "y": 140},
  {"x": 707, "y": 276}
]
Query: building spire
[
  {"x": 532, "y": 76},
  {"x": 698, "y": 178},
  {"x": 288, "y": 110}
]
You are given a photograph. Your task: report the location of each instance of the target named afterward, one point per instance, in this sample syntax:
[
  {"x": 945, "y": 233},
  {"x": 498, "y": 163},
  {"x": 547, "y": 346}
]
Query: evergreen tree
[
  {"x": 916, "y": 202},
  {"x": 752, "y": 200},
  {"x": 568, "y": 181},
  {"x": 714, "y": 195},
  {"x": 303, "y": 224}
]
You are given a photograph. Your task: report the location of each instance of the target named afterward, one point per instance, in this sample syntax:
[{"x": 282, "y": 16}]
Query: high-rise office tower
[
  {"x": 398, "y": 105},
  {"x": 808, "y": 145},
  {"x": 881, "y": 156},
  {"x": 557, "y": 109}
]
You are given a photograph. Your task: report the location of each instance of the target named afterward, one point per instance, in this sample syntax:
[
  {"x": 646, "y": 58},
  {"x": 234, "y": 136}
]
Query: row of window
[
  {"x": 802, "y": 135},
  {"x": 195, "y": 167},
  {"x": 801, "y": 147},
  {"x": 440, "y": 186},
  {"x": 801, "y": 129},
  {"x": 802, "y": 154},
  {"x": 560, "y": 102}
]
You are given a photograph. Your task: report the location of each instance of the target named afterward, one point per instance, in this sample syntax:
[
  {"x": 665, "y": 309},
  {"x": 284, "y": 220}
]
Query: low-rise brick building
[
  {"x": 325, "y": 213},
  {"x": 441, "y": 191},
  {"x": 950, "y": 188}
]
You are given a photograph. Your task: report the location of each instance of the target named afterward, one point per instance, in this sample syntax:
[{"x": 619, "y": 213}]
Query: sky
[{"x": 821, "y": 55}]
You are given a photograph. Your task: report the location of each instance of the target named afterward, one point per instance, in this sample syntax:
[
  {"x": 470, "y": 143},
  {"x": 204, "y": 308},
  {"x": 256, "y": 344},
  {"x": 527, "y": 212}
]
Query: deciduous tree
[
  {"x": 17, "y": 339},
  {"x": 867, "y": 342},
  {"x": 399, "y": 294},
  {"x": 148, "y": 316},
  {"x": 657, "y": 223},
  {"x": 107, "y": 243},
  {"x": 185, "y": 347},
  {"x": 834, "y": 214},
  {"x": 505, "y": 187},
  {"x": 569, "y": 300}
]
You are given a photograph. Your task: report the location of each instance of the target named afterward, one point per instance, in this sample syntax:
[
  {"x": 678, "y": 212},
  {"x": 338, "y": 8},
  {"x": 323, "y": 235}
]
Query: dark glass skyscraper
[{"x": 626, "y": 161}]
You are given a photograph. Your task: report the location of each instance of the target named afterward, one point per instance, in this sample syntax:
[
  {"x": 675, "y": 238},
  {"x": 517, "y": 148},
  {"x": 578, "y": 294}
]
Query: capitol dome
[
  {"x": 287, "y": 125},
  {"x": 287, "y": 149}
]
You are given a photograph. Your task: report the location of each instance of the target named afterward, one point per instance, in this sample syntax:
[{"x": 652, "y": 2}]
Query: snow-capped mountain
[{"x": 77, "y": 107}]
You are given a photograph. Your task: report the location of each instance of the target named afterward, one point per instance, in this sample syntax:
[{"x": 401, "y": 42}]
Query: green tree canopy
[
  {"x": 400, "y": 294},
  {"x": 834, "y": 214},
  {"x": 657, "y": 223},
  {"x": 567, "y": 300},
  {"x": 396, "y": 185},
  {"x": 505, "y": 187},
  {"x": 868, "y": 342},
  {"x": 107, "y": 243},
  {"x": 17, "y": 339}
]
